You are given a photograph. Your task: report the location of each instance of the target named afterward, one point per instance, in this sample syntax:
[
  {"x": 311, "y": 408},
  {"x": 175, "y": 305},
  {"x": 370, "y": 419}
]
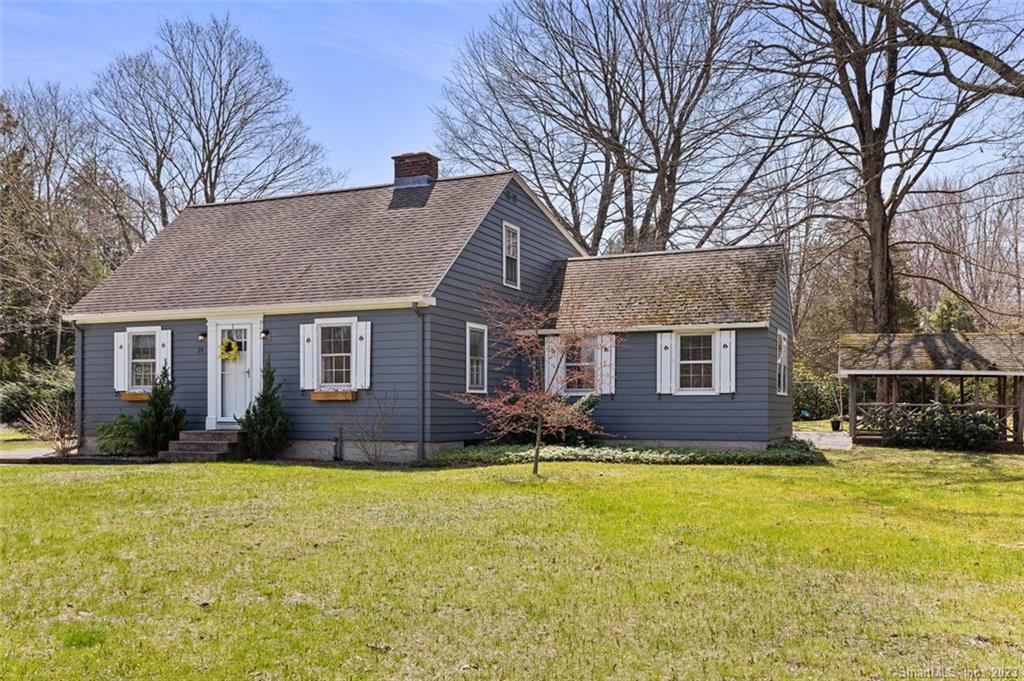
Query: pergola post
[
  {"x": 1018, "y": 414},
  {"x": 1001, "y": 410},
  {"x": 852, "y": 402}
]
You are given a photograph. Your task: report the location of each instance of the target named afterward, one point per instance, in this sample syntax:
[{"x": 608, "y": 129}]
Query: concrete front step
[
  {"x": 199, "y": 446},
  {"x": 206, "y": 445},
  {"x": 210, "y": 435}
]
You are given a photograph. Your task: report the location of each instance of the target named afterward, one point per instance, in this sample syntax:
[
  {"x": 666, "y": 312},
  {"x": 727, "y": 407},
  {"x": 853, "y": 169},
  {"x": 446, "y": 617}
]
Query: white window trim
[
  {"x": 505, "y": 227},
  {"x": 133, "y": 331},
  {"x": 592, "y": 340},
  {"x": 318, "y": 356},
  {"x": 782, "y": 364},
  {"x": 676, "y": 389},
  {"x": 470, "y": 326}
]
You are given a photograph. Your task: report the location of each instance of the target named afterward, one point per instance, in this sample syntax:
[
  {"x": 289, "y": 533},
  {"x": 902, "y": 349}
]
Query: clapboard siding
[
  {"x": 393, "y": 375},
  {"x": 780, "y": 407},
  {"x": 100, "y": 403},
  {"x": 636, "y": 411},
  {"x": 473, "y": 279}
]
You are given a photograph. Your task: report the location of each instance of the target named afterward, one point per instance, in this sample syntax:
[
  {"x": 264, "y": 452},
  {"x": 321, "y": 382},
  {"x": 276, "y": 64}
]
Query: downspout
[
  {"x": 420, "y": 414},
  {"x": 79, "y": 384}
]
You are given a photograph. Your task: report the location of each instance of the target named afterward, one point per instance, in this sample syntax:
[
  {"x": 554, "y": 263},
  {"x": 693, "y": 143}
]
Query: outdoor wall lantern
[
  {"x": 201, "y": 338},
  {"x": 265, "y": 334}
]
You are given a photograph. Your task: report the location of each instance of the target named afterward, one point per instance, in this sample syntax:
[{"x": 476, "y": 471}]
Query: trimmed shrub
[
  {"x": 575, "y": 437},
  {"x": 785, "y": 453},
  {"x": 266, "y": 425},
  {"x": 160, "y": 421},
  {"x": 119, "y": 437},
  {"x": 815, "y": 396},
  {"x": 938, "y": 427},
  {"x": 54, "y": 383}
]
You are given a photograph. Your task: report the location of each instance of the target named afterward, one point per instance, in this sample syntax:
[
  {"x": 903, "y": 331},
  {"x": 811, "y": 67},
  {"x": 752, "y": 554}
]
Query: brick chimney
[{"x": 417, "y": 169}]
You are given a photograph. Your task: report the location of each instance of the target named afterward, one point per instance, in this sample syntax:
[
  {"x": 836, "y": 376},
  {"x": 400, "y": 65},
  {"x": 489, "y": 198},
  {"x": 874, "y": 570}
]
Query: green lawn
[
  {"x": 881, "y": 562},
  {"x": 12, "y": 440}
]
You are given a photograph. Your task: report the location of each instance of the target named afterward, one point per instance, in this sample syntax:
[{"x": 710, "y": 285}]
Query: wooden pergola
[{"x": 905, "y": 373}]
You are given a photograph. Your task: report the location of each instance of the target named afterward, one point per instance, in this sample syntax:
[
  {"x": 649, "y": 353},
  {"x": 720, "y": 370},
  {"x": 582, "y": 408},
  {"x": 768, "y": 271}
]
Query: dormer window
[{"x": 510, "y": 255}]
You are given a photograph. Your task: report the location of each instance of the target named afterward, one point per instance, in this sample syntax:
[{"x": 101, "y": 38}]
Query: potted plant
[{"x": 837, "y": 423}]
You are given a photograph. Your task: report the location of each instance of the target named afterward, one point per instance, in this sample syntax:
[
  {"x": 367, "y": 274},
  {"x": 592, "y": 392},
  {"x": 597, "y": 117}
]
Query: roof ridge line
[
  {"x": 676, "y": 251},
  {"x": 340, "y": 190}
]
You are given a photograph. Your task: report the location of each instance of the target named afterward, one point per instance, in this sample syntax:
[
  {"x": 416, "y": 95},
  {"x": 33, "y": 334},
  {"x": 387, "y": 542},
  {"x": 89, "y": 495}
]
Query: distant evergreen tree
[
  {"x": 160, "y": 421},
  {"x": 951, "y": 313},
  {"x": 266, "y": 425}
]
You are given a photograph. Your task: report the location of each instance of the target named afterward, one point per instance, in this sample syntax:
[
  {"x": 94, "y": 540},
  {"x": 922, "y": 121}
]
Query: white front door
[
  {"x": 232, "y": 381},
  {"x": 235, "y": 374}
]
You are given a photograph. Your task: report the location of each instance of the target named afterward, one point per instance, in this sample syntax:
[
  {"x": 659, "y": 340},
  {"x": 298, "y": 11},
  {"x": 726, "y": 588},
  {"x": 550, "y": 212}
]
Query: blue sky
[{"x": 364, "y": 75}]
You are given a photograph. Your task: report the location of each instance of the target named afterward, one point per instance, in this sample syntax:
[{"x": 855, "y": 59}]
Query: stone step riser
[
  {"x": 201, "y": 447},
  {"x": 210, "y": 435}
]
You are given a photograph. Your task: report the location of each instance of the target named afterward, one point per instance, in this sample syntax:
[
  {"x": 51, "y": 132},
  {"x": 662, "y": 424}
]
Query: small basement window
[
  {"x": 696, "y": 363},
  {"x": 510, "y": 259},
  {"x": 476, "y": 358},
  {"x": 143, "y": 360}
]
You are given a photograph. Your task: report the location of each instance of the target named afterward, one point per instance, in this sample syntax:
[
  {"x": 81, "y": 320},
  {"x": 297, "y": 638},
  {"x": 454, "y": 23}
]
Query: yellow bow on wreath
[{"x": 229, "y": 349}]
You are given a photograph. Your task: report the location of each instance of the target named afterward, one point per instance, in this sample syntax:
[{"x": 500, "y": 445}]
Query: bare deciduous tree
[
  {"x": 638, "y": 121},
  {"x": 367, "y": 425},
  {"x": 884, "y": 112},
  {"x": 62, "y": 226},
  {"x": 983, "y": 39},
  {"x": 202, "y": 117}
]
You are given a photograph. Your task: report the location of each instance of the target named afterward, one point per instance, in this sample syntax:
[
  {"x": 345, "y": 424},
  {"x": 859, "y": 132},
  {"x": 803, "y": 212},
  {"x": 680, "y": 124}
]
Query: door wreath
[{"x": 229, "y": 348}]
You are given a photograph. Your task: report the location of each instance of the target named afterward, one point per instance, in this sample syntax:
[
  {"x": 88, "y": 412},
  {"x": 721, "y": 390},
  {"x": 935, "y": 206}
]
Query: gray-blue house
[{"x": 374, "y": 298}]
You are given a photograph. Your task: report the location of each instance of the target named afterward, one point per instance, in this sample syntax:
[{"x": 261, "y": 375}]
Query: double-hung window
[
  {"x": 782, "y": 365},
  {"x": 510, "y": 255},
  {"x": 142, "y": 346},
  {"x": 580, "y": 374},
  {"x": 696, "y": 370},
  {"x": 335, "y": 355},
  {"x": 476, "y": 358}
]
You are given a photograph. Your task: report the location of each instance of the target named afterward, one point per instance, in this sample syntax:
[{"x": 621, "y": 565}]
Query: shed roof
[
  {"x": 932, "y": 353},
  {"x": 707, "y": 286},
  {"x": 364, "y": 243}
]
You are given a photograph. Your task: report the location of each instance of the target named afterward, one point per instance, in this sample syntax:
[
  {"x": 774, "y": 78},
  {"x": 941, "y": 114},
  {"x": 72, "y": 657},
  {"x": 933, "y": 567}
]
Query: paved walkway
[
  {"x": 26, "y": 454},
  {"x": 825, "y": 440}
]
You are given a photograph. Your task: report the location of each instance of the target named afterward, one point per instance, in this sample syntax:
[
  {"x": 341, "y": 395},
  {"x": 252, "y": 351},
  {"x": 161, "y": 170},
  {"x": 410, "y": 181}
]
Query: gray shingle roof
[
  {"x": 349, "y": 244},
  {"x": 925, "y": 352},
  {"x": 672, "y": 288}
]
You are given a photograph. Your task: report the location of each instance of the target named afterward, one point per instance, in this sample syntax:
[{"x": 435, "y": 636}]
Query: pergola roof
[{"x": 934, "y": 354}]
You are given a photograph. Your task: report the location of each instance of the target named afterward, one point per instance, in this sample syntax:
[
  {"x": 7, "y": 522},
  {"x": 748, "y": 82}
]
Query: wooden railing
[{"x": 872, "y": 416}]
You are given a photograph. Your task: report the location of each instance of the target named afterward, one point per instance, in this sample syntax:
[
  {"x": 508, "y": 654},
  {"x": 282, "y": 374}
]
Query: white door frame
[{"x": 213, "y": 361}]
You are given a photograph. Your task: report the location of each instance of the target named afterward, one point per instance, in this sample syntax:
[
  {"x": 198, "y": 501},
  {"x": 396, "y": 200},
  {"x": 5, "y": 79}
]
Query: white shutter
[
  {"x": 120, "y": 360},
  {"x": 665, "y": 374},
  {"x": 163, "y": 351},
  {"x": 554, "y": 365},
  {"x": 726, "y": 361},
  {"x": 604, "y": 351},
  {"x": 362, "y": 379},
  {"x": 307, "y": 356}
]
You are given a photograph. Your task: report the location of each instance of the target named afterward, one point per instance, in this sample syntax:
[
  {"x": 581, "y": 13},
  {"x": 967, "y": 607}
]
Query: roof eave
[{"x": 268, "y": 309}]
